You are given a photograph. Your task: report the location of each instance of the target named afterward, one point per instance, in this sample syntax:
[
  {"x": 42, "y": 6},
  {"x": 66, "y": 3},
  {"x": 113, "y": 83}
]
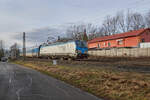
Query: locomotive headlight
[
  {"x": 79, "y": 51},
  {"x": 85, "y": 52}
]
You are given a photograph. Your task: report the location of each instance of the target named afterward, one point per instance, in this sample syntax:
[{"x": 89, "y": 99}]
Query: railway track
[{"x": 114, "y": 64}]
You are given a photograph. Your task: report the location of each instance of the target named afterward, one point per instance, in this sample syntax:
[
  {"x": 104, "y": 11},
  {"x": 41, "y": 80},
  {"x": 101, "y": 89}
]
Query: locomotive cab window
[{"x": 81, "y": 44}]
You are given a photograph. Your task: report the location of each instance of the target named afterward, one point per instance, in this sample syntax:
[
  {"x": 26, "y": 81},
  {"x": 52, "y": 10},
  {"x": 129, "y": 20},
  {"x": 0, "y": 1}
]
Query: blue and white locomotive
[{"x": 70, "y": 49}]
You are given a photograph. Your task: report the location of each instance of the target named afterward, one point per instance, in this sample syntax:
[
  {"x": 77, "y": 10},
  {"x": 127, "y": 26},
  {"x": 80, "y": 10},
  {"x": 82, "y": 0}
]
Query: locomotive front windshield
[{"x": 81, "y": 44}]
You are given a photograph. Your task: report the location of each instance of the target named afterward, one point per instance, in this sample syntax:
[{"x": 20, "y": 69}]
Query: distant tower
[
  {"x": 85, "y": 37},
  {"x": 58, "y": 38}
]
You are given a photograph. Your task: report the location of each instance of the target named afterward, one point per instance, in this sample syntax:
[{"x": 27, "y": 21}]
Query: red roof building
[{"x": 127, "y": 39}]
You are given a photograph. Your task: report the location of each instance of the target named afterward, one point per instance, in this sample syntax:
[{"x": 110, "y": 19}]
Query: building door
[{"x": 98, "y": 45}]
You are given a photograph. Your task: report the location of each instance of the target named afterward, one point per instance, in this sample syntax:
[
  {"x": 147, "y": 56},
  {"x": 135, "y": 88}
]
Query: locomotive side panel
[{"x": 63, "y": 49}]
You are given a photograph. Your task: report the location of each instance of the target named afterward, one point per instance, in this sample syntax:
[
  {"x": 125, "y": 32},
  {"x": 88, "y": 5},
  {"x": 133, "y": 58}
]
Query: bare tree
[
  {"x": 101, "y": 32},
  {"x": 121, "y": 22},
  {"x": 73, "y": 32},
  {"x": 77, "y": 31},
  {"x": 137, "y": 21},
  {"x": 91, "y": 36},
  {"x": 110, "y": 25},
  {"x": 124, "y": 21},
  {"x": 107, "y": 25},
  {"x": 90, "y": 28},
  {"x": 147, "y": 19}
]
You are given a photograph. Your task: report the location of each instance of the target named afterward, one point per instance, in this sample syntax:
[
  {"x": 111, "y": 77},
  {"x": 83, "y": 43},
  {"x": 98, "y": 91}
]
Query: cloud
[
  {"x": 40, "y": 35},
  {"x": 33, "y": 16}
]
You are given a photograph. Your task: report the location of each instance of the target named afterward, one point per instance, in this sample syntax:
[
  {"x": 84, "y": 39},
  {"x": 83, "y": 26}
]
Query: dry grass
[{"x": 105, "y": 83}]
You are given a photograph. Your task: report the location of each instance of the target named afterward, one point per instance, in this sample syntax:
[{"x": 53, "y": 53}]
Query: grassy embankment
[{"x": 102, "y": 82}]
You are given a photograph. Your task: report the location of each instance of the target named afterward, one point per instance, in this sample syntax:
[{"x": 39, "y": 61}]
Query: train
[{"x": 69, "y": 50}]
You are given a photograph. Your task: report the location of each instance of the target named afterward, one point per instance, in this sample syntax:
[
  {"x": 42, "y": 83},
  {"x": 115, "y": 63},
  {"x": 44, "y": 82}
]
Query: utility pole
[
  {"x": 24, "y": 45},
  {"x": 1, "y": 49},
  {"x": 1, "y": 44}
]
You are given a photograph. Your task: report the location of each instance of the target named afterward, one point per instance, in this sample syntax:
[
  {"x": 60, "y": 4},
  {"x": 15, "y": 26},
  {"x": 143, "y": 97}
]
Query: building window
[
  {"x": 104, "y": 43},
  {"x": 120, "y": 42},
  {"x": 109, "y": 44},
  {"x": 143, "y": 40},
  {"x": 98, "y": 45}
]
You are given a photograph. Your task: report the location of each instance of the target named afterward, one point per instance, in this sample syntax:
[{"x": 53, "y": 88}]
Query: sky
[{"x": 43, "y": 18}]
